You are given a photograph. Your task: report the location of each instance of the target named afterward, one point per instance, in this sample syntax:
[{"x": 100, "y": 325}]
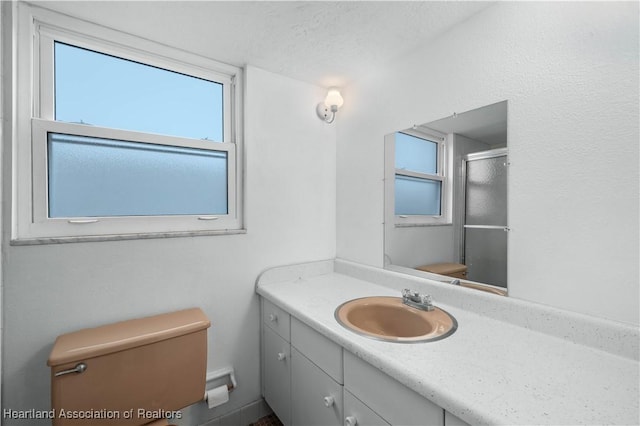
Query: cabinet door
[
  {"x": 358, "y": 414},
  {"x": 277, "y": 374},
  {"x": 316, "y": 399},
  {"x": 393, "y": 401}
]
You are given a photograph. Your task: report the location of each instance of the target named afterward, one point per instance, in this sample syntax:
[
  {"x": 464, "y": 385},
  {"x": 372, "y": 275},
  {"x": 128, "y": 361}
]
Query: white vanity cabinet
[
  {"x": 302, "y": 371},
  {"x": 310, "y": 380}
]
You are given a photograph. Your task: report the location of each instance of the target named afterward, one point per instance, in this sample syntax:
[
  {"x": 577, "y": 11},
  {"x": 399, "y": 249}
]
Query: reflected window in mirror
[
  {"x": 418, "y": 169},
  {"x": 418, "y": 185}
]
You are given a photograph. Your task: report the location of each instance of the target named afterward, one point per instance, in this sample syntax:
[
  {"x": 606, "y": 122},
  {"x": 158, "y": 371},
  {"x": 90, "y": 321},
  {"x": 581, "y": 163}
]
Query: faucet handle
[
  {"x": 426, "y": 299},
  {"x": 417, "y": 300}
]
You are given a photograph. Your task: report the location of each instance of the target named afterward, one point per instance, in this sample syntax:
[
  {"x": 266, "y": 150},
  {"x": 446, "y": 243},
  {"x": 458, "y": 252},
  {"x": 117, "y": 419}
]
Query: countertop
[{"x": 509, "y": 362}]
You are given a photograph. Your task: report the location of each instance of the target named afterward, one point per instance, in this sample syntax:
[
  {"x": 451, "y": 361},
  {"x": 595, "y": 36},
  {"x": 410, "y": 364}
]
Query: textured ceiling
[{"x": 325, "y": 43}]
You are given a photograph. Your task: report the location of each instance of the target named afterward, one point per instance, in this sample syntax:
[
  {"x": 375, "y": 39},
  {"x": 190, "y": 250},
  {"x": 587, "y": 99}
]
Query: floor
[{"x": 270, "y": 420}]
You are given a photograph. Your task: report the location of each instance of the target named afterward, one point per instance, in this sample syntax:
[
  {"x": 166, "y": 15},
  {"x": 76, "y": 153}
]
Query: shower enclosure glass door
[{"x": 484, "y": 233}]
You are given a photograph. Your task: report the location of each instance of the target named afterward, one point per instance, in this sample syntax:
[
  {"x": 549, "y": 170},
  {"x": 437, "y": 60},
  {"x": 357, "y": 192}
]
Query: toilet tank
[{"x": 136, "y": 370}]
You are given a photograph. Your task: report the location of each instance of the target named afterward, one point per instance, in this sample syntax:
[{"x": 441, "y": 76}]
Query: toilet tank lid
[{"x": 92, "y": 342}]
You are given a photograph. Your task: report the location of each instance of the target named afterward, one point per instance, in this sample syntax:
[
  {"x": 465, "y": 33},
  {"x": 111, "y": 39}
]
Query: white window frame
[
  {"x": 37, "y": 30},
  {"x": 443, "y": 175}
]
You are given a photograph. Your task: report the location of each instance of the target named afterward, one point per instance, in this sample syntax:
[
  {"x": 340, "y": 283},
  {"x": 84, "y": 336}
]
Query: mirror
[{"x": 446, "y": 199}]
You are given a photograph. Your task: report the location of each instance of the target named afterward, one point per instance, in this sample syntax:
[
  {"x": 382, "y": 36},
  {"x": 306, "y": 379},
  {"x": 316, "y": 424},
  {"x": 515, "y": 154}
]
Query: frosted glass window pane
[
  {"x": 415, "y": 154},
  {"x": 90, "y": 177},
  {"x": 107, "y": 91},
  {"x": 417, "y": 196},
  {"x": 486, "y": 192}
]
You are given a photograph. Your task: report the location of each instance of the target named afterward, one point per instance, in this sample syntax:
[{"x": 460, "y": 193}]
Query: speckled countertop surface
[{"x": 489, "y": 371}]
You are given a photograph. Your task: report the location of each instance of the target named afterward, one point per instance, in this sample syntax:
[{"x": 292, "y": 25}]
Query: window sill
[{"x": 121, "y": 237}]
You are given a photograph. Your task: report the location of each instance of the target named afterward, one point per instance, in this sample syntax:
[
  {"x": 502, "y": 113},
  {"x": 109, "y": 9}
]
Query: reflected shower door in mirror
[
  {"x": 484, "y": 231},
  {"x": 446, "y": 199}
]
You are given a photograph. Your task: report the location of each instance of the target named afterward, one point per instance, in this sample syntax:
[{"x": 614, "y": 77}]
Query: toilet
[{"x": 135, "y": 372}]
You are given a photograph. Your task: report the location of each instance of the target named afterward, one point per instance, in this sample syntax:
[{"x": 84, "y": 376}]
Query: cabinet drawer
[
  {"x": 320, "y": 350},
  {"x": 390, "y": 399},
  {"x": 316, "y": 399},
  {"x": 276, "y": 357},
  {"x": 277, "y": 319},
  {"x": 358, "y": 414}
]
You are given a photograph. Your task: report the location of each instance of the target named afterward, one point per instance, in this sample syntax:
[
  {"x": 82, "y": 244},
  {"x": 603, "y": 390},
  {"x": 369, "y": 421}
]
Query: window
[
  {"x": 418, "y": 185},
  {"x": 122, "y": 136},
  {"x": 417, "y": 176},
  {"x": 133, "y": 96}
]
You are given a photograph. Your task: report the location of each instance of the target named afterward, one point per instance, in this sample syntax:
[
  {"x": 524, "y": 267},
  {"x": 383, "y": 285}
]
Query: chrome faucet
[{"x": 416, "y": 300}]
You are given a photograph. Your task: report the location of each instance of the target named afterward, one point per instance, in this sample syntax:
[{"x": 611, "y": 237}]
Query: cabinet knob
[
  {"x": 273, "y": 317},
  {"x": 350, "y": 421},
  {"x": 282, "y": 356},
  {"x": 329, "y": 401}
]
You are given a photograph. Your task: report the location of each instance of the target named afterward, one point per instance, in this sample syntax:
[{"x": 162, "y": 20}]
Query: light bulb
[{"x": 333, "y": 99}]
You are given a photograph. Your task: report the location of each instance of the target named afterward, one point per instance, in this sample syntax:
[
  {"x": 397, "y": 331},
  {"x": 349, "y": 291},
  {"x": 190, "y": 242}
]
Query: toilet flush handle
[{"x": 79, "y": 368}]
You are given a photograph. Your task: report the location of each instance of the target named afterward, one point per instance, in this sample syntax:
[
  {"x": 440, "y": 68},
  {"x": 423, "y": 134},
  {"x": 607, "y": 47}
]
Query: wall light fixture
[{"x": 327, "y": 110}]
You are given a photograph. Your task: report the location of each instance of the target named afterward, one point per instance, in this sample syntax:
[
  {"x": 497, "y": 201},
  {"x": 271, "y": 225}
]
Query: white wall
[
  {"x": 570, "y": 74},
  {"x": 290, "y": 217}
]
